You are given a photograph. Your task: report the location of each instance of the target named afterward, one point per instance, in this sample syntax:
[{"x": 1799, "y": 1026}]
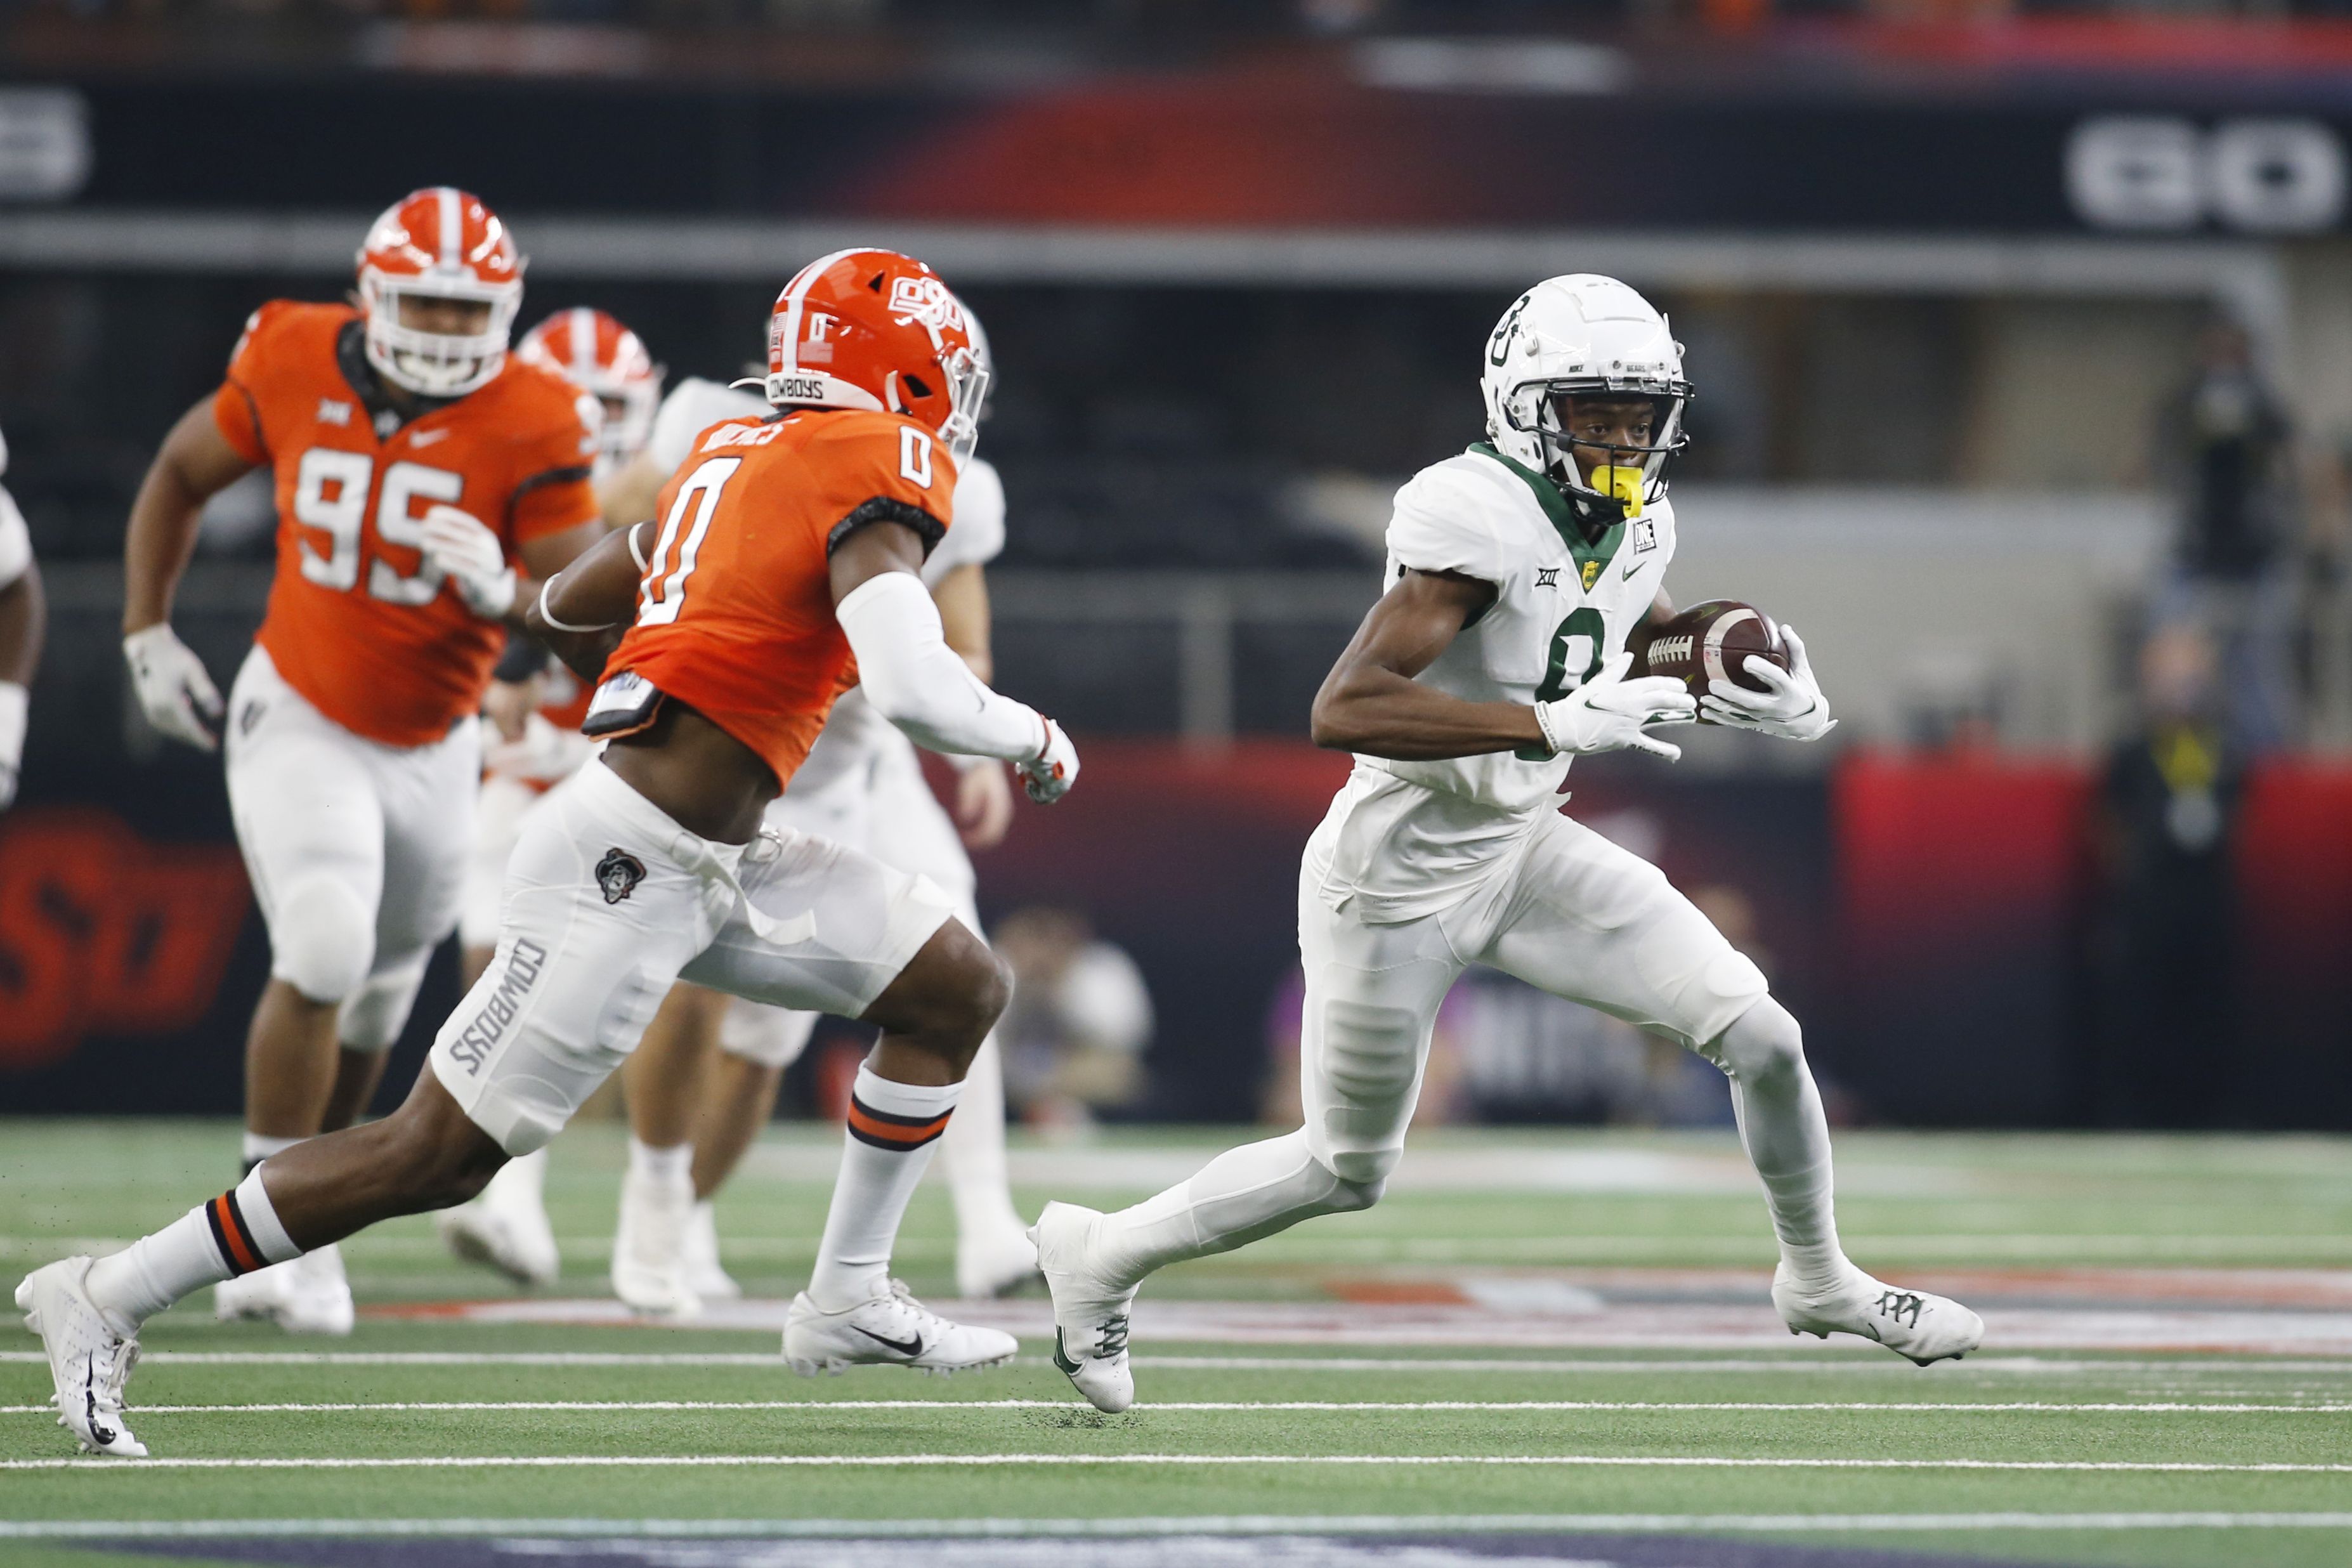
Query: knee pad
[
  {"x": 322, "y": 940},
  {"x": 1359, "y": 1180},
  {"x": 1370, "y": 1055},
  {"x": 771, "y": 1036},
  {"x": 374, "y": 1016},
  {"x": 1763, "y": 1041}
]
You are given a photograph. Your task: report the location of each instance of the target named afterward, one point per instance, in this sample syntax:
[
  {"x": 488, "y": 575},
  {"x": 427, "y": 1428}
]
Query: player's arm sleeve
[
  {"x": 919, "y": 683},
  {"x": 1440, "y": 525}
]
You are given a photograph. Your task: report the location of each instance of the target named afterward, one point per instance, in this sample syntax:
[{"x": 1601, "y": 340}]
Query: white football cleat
[
  {"x": 507, "y": 1226},
  {"x": 649, "y": 1246},
  {"x": 993, "y": 1262},
  {"x": 889, "y": 1330},
  {"x": 1089, "y": 1312},
  {"x": 705, "y": 1275},
  {"x": 88, "y": 1360},
  {"x": 1911, "y": 1323}
]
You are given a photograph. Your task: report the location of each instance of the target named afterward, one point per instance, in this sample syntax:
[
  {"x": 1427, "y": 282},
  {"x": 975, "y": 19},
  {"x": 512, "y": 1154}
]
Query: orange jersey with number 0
[
  {"x": 735, "y": 608},
  {"x": 357, "y": 624}
]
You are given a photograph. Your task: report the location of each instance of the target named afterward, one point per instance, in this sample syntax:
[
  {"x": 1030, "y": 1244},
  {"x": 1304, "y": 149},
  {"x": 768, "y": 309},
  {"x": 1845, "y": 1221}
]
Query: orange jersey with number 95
[
  {"x": 369, "y": 635},
  {"x": 735, "y": 606}
]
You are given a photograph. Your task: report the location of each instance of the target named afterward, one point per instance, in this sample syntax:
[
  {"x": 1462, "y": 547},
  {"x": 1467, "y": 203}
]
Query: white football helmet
[{"x": 1583, "y": 336}]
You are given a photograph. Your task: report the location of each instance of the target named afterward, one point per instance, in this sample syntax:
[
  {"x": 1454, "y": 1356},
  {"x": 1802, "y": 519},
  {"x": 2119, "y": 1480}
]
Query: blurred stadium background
[
  {"x": 2022, "y": 334},
  {"x": 2023, "y": 337}
]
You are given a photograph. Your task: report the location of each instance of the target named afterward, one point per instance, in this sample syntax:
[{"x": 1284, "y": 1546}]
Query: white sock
[
  {"x": 664, "y": 1167},
  {"x": 260, "y": 1146},
  {"x": 894, "y": 1130},
  {"x": 1788, "y": 1138},
  {"x": 1242, "y": 1195},
  {"x": 234, "y": 1233},
  {"x": 972, "y": 1151},
  {"x": 1804, "y": 1216}
]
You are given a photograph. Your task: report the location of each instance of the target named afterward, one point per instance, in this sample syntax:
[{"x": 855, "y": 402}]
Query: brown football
[{"x": 1711, "y": 641}]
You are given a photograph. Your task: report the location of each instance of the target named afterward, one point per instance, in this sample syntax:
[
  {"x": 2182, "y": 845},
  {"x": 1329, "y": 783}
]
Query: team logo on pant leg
[{"x": 618, "y": 873}]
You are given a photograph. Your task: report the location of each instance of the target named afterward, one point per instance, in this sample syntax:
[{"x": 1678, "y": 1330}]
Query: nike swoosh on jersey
[
  {"x": 904, "y": 1347},
  {"x": 427, "y": 437}
]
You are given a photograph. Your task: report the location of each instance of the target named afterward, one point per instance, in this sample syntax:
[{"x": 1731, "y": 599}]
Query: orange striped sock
[{"x": 894, "y": 1130}]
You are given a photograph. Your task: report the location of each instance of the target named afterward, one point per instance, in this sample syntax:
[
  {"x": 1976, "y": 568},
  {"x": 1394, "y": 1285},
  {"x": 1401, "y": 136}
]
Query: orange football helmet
[
  {"x": 438, "y": 242},
  {"x": 596, "y": 354},
  {"x": 876, "y": 330}
]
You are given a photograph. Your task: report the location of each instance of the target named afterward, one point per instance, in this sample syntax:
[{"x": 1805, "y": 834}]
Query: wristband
[
  {"x": 1543, "y": 727},
  {"x": 549, "y": 616}
]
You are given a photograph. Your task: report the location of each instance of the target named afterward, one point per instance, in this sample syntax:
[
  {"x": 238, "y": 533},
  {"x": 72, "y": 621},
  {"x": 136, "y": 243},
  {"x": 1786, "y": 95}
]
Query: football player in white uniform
[
  {"x": 22, "y": 615},
  {"x": 531, "y": 743},
  {"x": 1496, "y": 655}
]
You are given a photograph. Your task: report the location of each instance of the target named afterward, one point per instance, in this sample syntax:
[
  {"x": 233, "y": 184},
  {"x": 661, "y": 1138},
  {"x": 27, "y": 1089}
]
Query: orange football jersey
[
  {"x": 735, "y": 608},
  {"x": 356, "y": 624}
]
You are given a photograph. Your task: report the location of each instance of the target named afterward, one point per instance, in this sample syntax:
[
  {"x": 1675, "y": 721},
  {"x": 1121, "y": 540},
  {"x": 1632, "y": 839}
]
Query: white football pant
[
  {"x": 609, "y": 902},
  {"x": 357, "y": 850}
]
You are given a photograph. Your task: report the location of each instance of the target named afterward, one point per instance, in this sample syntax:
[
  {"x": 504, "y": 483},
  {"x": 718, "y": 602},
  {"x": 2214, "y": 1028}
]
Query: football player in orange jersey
[
  {"x": 426, "y": 481},
  {"x": 531, "y": 743},
  {"x": 784, "y": 567}
]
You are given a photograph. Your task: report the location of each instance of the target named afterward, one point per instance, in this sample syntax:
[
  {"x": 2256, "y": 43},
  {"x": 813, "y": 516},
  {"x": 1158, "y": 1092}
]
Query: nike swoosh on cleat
[
  {"x": 904, "y": 1347},
  {"x": 1062, "y": 1356}
]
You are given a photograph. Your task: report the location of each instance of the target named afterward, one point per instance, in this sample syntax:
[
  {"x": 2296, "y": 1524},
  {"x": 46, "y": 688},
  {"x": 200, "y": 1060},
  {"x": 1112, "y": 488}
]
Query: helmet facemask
[
  {"x": 1606, "y": 476},
  {"x": 436, "y": 364},
  {"x": 968, "y": 377}
]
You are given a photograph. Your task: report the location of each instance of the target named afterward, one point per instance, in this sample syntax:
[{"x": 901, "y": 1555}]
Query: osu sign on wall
[{"x": 104, "y": 933}]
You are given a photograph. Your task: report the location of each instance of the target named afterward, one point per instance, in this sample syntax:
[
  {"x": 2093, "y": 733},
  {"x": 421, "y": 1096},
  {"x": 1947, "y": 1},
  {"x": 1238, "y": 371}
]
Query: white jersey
[{"x": 1415, "y": 833}]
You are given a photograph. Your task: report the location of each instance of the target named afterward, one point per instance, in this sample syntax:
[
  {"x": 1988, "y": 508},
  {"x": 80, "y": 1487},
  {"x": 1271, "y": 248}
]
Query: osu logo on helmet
[
  {"x": 876, "y": 330},
  {"x": 439, "y": 244},
  {"x": 604, "y": 359}
]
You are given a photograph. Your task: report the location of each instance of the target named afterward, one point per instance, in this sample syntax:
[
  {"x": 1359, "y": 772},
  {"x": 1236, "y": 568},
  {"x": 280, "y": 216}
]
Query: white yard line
[
  {"x": 87, "y": 1466},
  {"x": 2054, "y": 1407},
  {"x": 1205, "y": 1525},
  {"x": 1861, "y": 1359},
  {"x": 1858, "y": 1358}
]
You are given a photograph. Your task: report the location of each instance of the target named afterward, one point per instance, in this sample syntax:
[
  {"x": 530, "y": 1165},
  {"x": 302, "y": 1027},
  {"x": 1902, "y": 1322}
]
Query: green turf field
[{"x": 2068, "y": 1450}]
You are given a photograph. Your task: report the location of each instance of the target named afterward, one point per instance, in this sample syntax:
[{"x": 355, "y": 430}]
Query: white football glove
[
  {"x": 469, "y": 555},
  {"x": 15, "y": 702},
  {"x": 1794, "y": 710},
  {"x": 1607, "y": 713},
  {"x": 178, "y": 697},
  {"x": 546, "y": 753},
  {"x": 1048, "y": 775}
]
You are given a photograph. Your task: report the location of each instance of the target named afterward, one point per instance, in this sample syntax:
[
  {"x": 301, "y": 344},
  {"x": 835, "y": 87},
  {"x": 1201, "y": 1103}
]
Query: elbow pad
[{"x": 919, "y": 683}]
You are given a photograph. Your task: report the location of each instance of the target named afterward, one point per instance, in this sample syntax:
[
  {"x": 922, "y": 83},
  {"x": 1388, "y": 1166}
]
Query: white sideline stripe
[
  {"x": 1854, "y": 1362},
  {"x": 1001, "y": 1462},
  {"x": 1205, "y": 1525},
  {"x": 2058, "y": 1407}
]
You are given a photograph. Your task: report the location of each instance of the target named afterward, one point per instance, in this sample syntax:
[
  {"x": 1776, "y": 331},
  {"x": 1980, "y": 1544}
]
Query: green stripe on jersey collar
[{"x": 1563, "y": 522}]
